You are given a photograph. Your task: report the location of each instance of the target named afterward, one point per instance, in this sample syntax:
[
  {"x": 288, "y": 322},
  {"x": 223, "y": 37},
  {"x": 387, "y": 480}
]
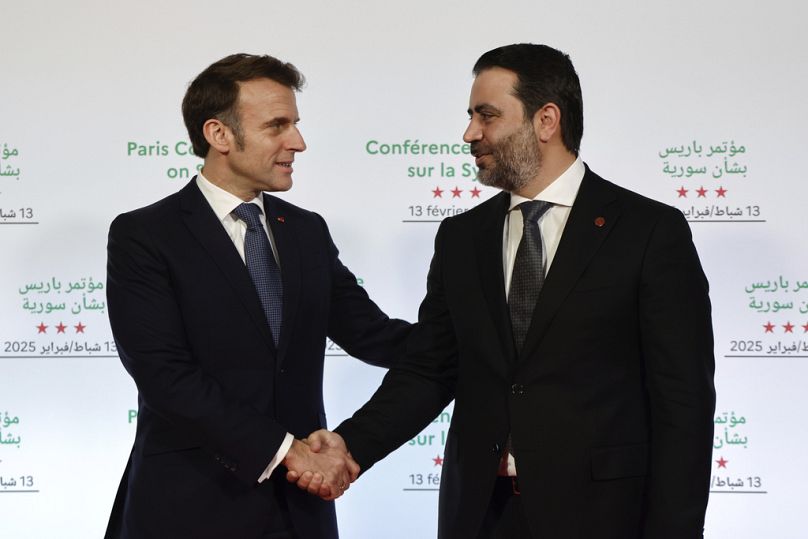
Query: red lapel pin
[
  {"x": 281, "y": 219},
  {"x": 599, "y": 222}
]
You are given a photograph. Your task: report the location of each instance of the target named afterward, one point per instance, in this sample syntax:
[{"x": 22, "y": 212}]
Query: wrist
[{"x": 295, "y": 451}]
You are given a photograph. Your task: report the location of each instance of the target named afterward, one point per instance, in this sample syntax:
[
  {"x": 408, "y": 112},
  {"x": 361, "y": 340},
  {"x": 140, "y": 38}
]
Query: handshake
[{"x": 321, "y": 465}]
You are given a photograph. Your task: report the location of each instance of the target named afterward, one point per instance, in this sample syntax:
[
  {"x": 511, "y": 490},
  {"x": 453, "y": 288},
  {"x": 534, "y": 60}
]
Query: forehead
[
  {"x": 494, "y": 86},
  {"x": 265, "y": 97}
]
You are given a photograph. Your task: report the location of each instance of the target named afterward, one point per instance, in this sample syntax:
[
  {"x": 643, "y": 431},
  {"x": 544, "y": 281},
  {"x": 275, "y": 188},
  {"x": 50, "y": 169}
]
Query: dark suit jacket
[
  {"x": 610, "y": 403},
  {"x": 215, "y": 396}
]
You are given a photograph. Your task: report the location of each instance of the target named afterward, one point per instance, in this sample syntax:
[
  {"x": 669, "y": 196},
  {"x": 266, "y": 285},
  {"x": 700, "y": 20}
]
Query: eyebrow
[
  {"x": 280, "y": 120},
  {"x": 485, "y": 107}
]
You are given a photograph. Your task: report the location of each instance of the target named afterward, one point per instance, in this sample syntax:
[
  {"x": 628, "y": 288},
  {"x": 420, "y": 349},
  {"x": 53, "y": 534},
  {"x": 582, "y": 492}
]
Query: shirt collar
[
  {"x": 562, "y": 191},
  {"x": 222, "y": 202}
]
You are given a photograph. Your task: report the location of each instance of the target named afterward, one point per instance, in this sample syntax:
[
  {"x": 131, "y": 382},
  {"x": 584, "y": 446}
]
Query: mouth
[
  {"x": 286, "y": 165},
  {"x": 479, "y": 152}
]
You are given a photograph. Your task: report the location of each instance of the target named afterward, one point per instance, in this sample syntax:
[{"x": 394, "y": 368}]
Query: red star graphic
[
  {"x": 682, "y": 192},
  {"x": 475, "y": 193},
  {"x": 769, "y": 327},
  {"x": 721, "y": 192},
  {"x": 722, "y": 462},
  {"x": 80, "y": 327},
  {"x": 60, "y": 328},
  {"x": 42, "y": 328},
  {"x": 437, "y": 192},
  {"x": 702, "y": 192},
  {"x": 456, "y": 192},
  {"x": 788, "y": 327},
  {"x": 438, "y": 461},
  {"x": 805, "y": 327}
]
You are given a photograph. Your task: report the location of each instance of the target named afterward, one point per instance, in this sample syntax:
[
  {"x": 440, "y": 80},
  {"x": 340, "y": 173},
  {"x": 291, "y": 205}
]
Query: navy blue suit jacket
[{"x": 215, "y": 396}]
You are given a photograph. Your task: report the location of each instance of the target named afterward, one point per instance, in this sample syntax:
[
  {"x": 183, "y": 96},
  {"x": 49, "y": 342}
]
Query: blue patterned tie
[
  {"x": 527, "y": 277},
  {"x": 264, "y": 270}
]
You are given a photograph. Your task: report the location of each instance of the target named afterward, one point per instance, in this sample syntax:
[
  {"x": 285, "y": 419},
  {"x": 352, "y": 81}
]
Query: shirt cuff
[{"x": 278, "y": 458}]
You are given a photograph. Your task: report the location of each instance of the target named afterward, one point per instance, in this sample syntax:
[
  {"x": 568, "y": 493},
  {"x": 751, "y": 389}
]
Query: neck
[
  {"x": 551, "y": 168},
  {"x": 224, "y": 178}
]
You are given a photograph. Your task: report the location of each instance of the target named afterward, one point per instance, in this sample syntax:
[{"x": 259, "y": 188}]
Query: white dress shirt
[
  {"x": 561, "y": 194},
  {"x": 223, "y": 203}
]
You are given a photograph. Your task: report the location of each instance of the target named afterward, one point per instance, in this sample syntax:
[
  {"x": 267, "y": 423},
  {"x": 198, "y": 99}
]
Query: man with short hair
[
  {"x": 569, "y": 319},
  {"x": 220, "y": 299}
]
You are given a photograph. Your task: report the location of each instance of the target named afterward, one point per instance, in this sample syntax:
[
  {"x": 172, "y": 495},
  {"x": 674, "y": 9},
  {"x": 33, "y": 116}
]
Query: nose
[
  {"x": 473, "y": 132},
  {"x": 296, "y": 142}
]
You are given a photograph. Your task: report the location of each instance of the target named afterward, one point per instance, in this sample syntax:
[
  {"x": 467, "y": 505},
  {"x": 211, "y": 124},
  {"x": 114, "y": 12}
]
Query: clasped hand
[{"x": 321, "y": 465}]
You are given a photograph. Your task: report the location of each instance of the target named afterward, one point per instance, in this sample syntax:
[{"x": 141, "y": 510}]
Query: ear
[
  {"x": 547, "y": 122},
  {"x": 218, "y": 135}
]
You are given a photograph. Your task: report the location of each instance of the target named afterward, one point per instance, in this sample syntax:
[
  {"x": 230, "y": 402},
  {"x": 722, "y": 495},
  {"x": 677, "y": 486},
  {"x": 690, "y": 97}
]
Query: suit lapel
[
  {"x": 206, "y": 228},
  {"x": 488, "y": 245},
  {"x": 580, "y": 240},
  {"x": 286, "y": 243}
]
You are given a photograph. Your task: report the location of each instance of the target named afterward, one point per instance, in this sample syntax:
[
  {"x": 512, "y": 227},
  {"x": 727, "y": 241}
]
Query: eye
[
  {"x": 484, "y": 116},
  {"x": 278, "y": 124}
]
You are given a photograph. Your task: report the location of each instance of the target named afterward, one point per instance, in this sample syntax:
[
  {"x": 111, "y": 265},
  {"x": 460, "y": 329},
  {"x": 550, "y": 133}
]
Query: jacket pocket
[
  {"x": 618, "y": 462},
  {"x": 158, "y": 446}
]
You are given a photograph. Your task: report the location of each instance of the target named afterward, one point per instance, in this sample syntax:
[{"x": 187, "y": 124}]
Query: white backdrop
[{"x": 697, "y": 104}]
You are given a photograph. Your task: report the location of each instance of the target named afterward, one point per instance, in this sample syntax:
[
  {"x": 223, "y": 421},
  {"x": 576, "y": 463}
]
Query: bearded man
[{"x": 569, "y": 319}]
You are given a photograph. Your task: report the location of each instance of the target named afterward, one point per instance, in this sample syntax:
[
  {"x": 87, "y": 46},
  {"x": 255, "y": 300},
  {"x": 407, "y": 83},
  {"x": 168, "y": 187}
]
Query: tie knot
[
  {"x": 249, "y": 213},
  {"x": 532, "y": 210}
]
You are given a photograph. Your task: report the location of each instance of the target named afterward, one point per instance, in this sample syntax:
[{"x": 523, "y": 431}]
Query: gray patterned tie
[
  {"x": 528, "y": 271},
  {"x": 261, "y": 264}
]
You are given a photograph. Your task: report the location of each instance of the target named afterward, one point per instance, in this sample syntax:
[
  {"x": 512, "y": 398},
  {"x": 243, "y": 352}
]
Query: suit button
[
  {"x": 517, "y": 389},
  {"x": 495, "y": 449}
]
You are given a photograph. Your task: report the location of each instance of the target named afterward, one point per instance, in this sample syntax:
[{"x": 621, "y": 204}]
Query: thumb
[{"x": 315, "y": 444}]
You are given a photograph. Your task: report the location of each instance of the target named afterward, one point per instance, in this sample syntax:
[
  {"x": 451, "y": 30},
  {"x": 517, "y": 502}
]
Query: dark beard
[{"x": 517, "y": 160}]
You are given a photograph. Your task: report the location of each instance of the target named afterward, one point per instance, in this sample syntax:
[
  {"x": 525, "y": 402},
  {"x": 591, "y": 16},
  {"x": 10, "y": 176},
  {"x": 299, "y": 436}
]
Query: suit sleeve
[
  {"x": 148, "y": 328},
  {"x": 677, "y": 347},
  {"x": 356, "y": 323},
  {"x": 416, "y": 389}
]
